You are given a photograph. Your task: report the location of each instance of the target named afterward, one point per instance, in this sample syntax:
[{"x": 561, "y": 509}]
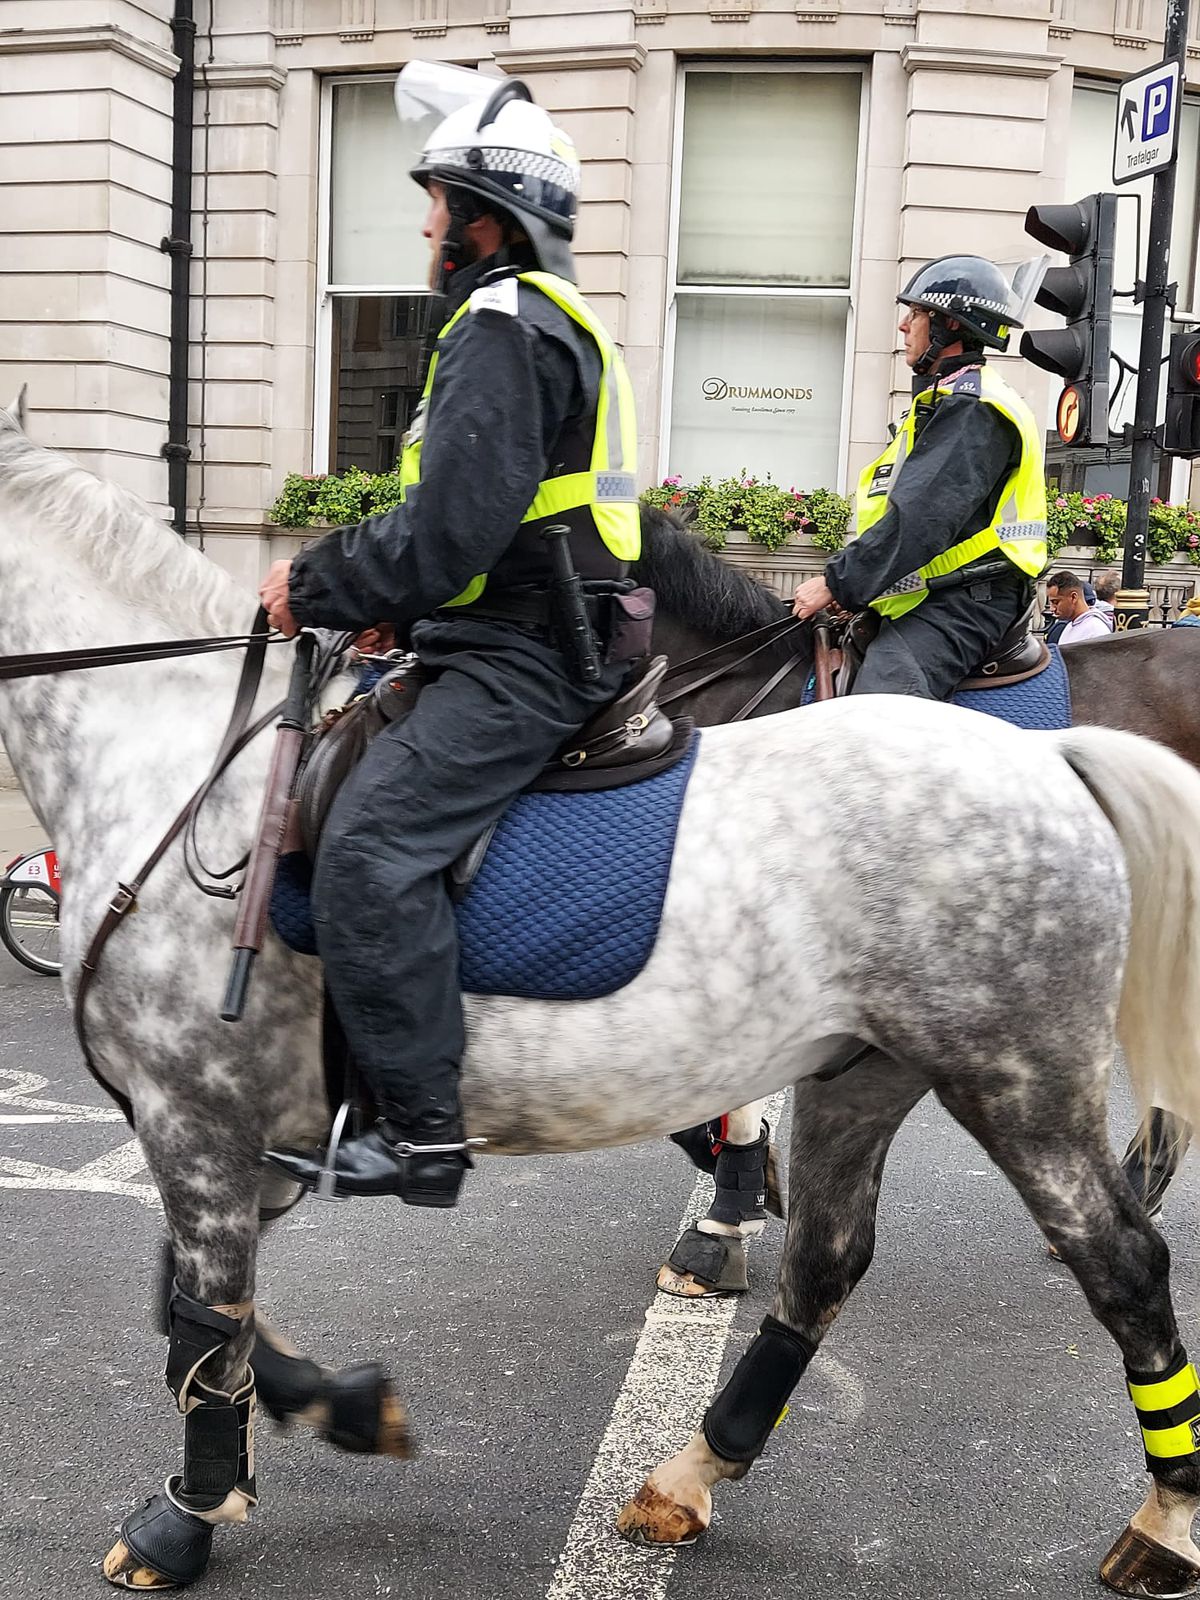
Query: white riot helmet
[{"x": 494, "y": 150}]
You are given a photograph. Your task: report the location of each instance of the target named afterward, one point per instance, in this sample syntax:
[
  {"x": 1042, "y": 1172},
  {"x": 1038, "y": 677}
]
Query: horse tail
[{"x": 1152, "y": 799}]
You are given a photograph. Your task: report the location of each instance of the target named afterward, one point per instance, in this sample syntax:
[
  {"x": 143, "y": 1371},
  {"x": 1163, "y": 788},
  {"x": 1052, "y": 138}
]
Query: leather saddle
[
  {"x": 1020, "y": 654},
  {"x": 627, "y": 740}
]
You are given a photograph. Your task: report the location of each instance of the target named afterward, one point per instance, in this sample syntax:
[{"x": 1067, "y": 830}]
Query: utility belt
[
  {"x": 607, "y": 621},
  {"x": 979, "y": 577}
]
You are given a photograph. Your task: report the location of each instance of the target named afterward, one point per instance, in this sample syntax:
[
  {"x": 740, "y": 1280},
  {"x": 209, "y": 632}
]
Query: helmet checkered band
[
  {"x": 525, "y": 163},
  {"x": 940, "y": 298}
]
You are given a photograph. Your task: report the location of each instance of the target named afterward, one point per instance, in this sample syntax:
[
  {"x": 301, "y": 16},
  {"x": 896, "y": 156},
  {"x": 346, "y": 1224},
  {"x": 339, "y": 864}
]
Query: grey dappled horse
[{"x": 760, "y": 978}]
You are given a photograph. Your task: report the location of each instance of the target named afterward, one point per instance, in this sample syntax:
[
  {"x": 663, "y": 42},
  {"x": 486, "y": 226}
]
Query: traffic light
[
  {"x": 1181, "y": 431},
  {"x": 1080, "y": 353}
]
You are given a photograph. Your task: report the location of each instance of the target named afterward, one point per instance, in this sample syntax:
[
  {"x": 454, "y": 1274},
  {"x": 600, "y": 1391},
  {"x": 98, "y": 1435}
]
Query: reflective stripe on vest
[
  {"x": 1018, "y": 529},
  {"x": 608, "y": 490}
]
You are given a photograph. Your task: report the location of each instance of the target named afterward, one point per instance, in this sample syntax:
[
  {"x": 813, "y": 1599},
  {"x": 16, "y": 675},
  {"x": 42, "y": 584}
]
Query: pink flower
[
  {"x": 1061, "y": 503},
  {"x": 1194, "y": 540},
  {"x": 673, "y": 482},
  {"x": 748, "y": 483},
  {"x": 789, "y": 516}
]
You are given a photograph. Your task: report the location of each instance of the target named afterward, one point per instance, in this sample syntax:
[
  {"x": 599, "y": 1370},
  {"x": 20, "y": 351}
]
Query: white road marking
[
  {"x": 671, "y": 1378},
  {"x": 106, "y": 1175},
  {"x": 18, "y": 1089}
]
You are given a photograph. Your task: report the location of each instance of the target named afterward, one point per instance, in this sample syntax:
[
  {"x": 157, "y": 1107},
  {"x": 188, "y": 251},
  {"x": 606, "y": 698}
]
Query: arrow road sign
[{"x": 1147, "y": 129}]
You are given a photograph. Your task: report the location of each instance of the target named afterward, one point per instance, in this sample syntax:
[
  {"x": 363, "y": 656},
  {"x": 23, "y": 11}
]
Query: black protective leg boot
[{"x": 424, "y": 1163}]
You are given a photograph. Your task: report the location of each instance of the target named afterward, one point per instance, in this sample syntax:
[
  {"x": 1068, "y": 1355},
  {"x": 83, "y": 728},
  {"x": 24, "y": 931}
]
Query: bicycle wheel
[{"x": 29, "y": 927}]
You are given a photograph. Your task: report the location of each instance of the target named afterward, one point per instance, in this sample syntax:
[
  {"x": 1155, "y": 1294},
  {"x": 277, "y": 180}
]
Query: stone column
[
  {"x": 236, "y": 283},
  {"x": 85, "y": 188}
]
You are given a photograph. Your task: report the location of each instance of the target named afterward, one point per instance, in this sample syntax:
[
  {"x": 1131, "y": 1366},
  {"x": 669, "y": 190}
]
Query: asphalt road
[{"x": 965, "y": 1431}]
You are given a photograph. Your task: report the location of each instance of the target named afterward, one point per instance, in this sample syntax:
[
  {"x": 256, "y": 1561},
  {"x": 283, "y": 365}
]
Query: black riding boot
[{"x": 423, "y": 1162}]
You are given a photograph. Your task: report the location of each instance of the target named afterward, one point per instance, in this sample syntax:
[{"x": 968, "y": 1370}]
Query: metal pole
[
  {"x": 178, "y": 245},
  {"x": 1132, "y": 603}
]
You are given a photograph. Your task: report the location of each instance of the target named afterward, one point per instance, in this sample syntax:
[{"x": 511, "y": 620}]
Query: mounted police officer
[
  {"x": 526, "y": 425},
  {"x": 952, "y": 515}
]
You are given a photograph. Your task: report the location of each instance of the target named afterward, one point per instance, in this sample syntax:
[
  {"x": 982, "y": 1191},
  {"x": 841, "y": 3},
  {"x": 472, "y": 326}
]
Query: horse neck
[{"x": 113, "y": 748}]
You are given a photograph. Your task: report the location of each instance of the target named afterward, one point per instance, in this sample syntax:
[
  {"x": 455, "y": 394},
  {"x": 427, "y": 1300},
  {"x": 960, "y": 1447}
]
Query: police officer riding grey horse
[{"x": 526, "y": 428}]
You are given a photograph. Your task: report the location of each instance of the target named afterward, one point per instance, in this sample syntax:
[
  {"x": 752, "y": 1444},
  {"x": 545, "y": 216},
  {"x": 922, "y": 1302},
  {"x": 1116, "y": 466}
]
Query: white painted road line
[
  {"x": 671, "y": 1379},
  {"x": 106, "y": 1175},
  {"x": 18, "y": 1088}
]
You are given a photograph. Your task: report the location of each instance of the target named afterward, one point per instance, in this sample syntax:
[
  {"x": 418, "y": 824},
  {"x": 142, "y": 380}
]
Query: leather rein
[
  {"x": 239, "y": 732},
  {"x": 782, "y": 628}
]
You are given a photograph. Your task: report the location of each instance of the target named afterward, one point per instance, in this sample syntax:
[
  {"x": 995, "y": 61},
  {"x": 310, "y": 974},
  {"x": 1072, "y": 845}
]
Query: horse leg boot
[
  {"x": 841, "y": 1132},
  {"x": 355, "y": 1409},
  {"x": 710, "y": 1256},
  {"x": 1084, "y": 1204},
  {"x": 167, "y": 1542}
]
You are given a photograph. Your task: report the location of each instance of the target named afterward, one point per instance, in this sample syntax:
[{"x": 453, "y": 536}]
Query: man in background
[{"x": 1067, "y": 600}]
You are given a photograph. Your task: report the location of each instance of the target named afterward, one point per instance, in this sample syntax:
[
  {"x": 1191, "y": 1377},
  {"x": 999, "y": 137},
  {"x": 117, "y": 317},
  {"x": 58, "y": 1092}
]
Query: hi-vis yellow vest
[
  {"x": 606, "y": 493},
  {"x": 1018, "y": 530}
]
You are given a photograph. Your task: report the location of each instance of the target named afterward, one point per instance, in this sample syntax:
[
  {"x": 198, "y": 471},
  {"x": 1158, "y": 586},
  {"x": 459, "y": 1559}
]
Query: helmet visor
[
  {"x": 427, "y": 92},
  {"x": 1024, "y": 281}
]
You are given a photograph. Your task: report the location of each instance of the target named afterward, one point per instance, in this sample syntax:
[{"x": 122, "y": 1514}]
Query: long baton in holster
[
  {"x": 255, "y": 900},
  {"x": 569, "y": 608}
]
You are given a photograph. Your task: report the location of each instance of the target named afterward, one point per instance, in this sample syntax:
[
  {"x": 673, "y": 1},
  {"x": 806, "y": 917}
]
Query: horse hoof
[
  {"x": 1137, "y": 1566},
  {"x": 652, "y": 1517},
  {"x": 162, "y": 1546},
  {"x": 128, "y": 1571},
  {"x": 705, "y": 1264},
  {"x": 364, "y": 1415},
  {"x": 686, "y": 1287}
]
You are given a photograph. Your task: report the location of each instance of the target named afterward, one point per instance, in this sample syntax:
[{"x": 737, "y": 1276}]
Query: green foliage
[
  {"x": 1099, "y": 521},
  {"x": 759, "y": 507},
  {"x": 294, "y": 507},
  {"x": 339, "y": 499}
]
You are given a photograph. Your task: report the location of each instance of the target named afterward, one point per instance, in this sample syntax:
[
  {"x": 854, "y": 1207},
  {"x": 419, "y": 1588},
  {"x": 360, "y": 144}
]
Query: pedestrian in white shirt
[{"x": 1064, "y": 591}]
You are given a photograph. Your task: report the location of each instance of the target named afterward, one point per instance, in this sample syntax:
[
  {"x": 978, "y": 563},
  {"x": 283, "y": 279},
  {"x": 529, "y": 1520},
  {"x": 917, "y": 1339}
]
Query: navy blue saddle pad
[
  {"x": 567, "y": 903},
  {"x": 1041, "y": 702}
]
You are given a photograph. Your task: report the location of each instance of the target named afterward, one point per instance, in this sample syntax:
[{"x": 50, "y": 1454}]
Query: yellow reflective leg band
[{"x": 1168, "y": 1408}]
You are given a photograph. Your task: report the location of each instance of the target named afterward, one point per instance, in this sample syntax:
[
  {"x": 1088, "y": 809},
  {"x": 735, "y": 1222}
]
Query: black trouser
[
  {"x": 499, "y": 705},
  {"x": 932, "y": 648}
]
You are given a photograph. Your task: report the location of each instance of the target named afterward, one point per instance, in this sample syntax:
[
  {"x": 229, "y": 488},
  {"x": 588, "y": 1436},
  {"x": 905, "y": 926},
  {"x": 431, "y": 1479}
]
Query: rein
[
  {"x": 239, "y": 732},
  {"x": 781, "y": 628},
  {"x": 41, "y": 663}
]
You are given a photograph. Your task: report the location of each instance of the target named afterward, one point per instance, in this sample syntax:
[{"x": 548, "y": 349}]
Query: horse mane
[
  {"x": 109, "y": 529},
  {"x": 695, "y": 586}
]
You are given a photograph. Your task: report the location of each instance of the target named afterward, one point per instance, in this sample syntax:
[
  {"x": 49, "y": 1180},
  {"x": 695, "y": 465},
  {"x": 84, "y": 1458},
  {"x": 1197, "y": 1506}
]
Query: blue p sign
[{"x": 1156, "y": 109}]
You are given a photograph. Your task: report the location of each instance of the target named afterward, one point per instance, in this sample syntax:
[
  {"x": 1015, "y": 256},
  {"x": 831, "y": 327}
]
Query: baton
[{"x": 256, "y": 888}]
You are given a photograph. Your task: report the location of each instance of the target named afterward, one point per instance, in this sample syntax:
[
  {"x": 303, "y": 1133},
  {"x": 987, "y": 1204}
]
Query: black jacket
[
  {"x": 946, "y": 489},
  {"x": 508, "y": 389}
]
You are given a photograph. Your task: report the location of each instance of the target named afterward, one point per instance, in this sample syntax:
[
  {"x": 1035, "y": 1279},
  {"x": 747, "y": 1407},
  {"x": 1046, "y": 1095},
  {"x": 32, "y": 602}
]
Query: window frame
[
  {"x": 324, "y": 422},
  {"x": 684, "y": 69}
]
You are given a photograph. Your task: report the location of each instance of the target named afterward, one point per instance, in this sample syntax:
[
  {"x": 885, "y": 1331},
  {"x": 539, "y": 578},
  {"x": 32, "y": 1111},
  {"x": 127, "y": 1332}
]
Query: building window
[
  {"x": 1089, "y": 170},
  {"x": 375, "y": 307},
  {"x": 761, "y": 300}
]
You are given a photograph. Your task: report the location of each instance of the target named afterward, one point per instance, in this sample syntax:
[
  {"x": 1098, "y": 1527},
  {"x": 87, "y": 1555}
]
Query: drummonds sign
[{"x": 720, "y": 389}]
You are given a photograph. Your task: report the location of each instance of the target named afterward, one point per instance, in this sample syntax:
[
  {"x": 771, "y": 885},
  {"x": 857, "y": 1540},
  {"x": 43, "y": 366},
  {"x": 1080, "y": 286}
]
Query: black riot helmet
[{"x": 976, "y": 294}]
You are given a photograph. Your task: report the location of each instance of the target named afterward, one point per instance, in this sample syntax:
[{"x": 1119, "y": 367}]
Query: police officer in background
[
  {"x": 526, "y": 424},
  {"x": 952, "y": 515}
]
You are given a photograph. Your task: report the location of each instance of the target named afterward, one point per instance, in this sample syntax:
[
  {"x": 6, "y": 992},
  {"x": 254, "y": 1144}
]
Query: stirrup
[{"x": 326, "y": 1188}]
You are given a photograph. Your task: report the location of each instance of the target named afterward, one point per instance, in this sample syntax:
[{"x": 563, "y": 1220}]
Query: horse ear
[{"x": 17, "y": 409}]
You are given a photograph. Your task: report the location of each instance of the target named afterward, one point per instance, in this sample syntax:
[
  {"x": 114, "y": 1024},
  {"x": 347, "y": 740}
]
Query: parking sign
[{"x": 1147, "y": 123}]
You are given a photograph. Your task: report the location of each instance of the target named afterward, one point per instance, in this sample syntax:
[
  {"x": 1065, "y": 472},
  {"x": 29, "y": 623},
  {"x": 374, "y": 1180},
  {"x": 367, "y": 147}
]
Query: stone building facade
[{"x": 760, "y": 176}]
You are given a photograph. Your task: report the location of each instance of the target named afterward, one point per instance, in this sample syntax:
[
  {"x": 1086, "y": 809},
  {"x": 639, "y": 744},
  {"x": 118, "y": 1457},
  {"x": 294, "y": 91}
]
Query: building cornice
[
  {"x": 629, "y": 55},
  {"x": 44, "y": 41},
  {"x": 998, "y": 63},
  {"x": 238, "y": 75}
]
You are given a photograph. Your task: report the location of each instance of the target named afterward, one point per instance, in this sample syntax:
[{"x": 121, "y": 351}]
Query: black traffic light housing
[
  {"x": 1181, "y": 430},
  {"x": 1080, "y": 354}
]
